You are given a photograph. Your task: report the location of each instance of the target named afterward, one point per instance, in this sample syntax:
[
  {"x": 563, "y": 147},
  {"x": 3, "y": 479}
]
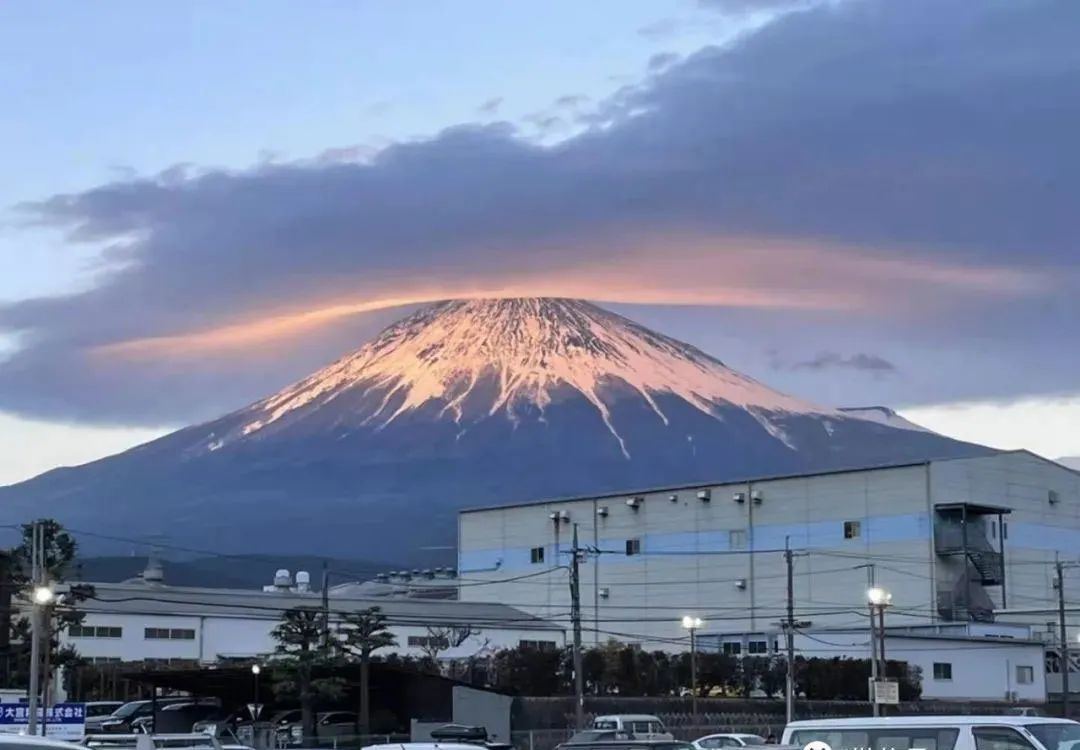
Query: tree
[
  {"x": 442, "y": 639},
  {"x": 60, "y": 549},
  {"x": 365, "y": 632},
  {"x": 301, "y": 655}
]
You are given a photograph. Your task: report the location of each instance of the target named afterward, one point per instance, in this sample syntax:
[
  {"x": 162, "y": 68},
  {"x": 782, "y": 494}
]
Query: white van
[
  {"x": 936, "y": 733},
  {"x": 642, "y": 726}
]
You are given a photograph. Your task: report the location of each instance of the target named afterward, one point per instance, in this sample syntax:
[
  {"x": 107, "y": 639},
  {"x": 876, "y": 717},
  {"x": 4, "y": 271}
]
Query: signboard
[
  {"x": 64, "y": 721},
  {"x": 887, "y": 692}
]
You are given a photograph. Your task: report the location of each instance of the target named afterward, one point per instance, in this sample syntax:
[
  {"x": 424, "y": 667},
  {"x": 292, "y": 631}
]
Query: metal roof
[
  {"x": 977, "y": 451},
  {"x": 151, "y": 599}
]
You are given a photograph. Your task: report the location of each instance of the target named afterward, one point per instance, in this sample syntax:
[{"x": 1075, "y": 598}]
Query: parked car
[
  {"x": 591, "y": 736},
  {"x": 96, "y": 709},
  {"x": 715, "y": 741},
  {"x": 954, "y": 732},
  {"x": 328, "y": 724},
  {"x": 616, "y": 744},
  {"x": 237, "y": 724},
  {"x": 642, "y": 726},
  {"x": 120, "y": 721}
]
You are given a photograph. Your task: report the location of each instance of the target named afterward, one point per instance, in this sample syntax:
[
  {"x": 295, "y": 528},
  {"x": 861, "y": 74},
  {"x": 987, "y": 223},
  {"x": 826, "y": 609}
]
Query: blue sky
[{"x": 801, "y": 188}]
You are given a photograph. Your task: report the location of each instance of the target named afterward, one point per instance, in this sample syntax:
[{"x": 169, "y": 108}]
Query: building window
[
  {"x": 105, "y": 660},
  {"x": 942, "y": 670},
  {"x": 732, "y": 649},
  {"x": 1025, "y": 675},
  {"x": 537, "y": 645},
  {"x": 852, "y": 529},
  {"x": 536, "y": 555},
  {"x": 737, "y": 539},
  {"x": 95, "y": 631},
  {"x": 633, "y": 546},
  {"x": 174, "y": 634},
  {"x": 757, "y": 647}
]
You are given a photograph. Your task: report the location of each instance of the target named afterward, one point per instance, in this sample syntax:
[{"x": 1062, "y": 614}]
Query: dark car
[
  {"x": 120, "y": 721},
  {"x": 176, "y": 718},
  {"x": 328, "y": 724}
]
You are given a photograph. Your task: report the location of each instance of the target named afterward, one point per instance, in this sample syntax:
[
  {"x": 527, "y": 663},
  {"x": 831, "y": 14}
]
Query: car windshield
[
  {"x": 1056, "y": 736},
  {"x": 100, "y": 709},
  {"x": 128, "y": 710}
]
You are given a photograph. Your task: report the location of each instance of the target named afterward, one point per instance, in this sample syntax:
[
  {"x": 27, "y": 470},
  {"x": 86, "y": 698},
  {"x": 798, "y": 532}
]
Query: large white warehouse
[{"x": 954, "y": 540}]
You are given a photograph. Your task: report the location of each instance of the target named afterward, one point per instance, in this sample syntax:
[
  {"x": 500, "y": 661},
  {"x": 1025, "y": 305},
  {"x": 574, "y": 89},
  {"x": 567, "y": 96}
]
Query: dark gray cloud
[
  {"x": 662, "y": 60},
  {"x": 572, "y": 101},
  {"x": 490, "y": 107},
  {"x": 925, "y": 144},
  {"x": 871, "y": 363}
]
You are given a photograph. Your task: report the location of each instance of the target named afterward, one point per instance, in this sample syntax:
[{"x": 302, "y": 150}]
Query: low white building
[
  {"x": 958, "y": 661},
  {"x": 145, "y": 620}
]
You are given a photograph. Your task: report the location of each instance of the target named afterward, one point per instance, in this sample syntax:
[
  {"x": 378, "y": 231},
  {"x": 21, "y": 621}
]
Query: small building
[
  {"x": 146, "y": 620},
  {"x": 957, "y": 661}
]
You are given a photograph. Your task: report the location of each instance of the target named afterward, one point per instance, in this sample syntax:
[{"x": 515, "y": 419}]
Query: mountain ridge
[{"x": 464, "y": 403}]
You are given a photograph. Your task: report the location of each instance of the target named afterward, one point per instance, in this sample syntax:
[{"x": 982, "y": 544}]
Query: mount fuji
[{"x": 462, "y": 404}]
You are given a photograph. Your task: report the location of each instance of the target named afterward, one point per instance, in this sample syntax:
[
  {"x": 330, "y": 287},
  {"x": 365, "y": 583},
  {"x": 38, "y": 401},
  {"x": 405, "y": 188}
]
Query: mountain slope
[{"x": 462, "y": 404}]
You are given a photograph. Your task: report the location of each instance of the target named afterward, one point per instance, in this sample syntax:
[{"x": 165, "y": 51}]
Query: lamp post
[
  {"x": 693, "y": 624},
  {"x": 255, "y": 670},
  {"x": 42, "y": 596},
  {"x": 879, "y": 599}
]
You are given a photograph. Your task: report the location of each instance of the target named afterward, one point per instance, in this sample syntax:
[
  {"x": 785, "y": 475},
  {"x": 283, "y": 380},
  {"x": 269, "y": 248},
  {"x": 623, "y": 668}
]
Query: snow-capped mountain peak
[{"x": 524, "y": 351}]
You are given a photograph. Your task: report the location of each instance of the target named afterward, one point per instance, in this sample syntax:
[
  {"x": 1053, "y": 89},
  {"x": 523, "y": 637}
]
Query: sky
[{"x": 861, "y": 202}]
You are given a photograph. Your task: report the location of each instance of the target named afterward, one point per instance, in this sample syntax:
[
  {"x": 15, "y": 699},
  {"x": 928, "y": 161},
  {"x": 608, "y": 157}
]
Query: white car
[
  {"x": 715, "y": 741},
  {"x": 30, "y": 742},
  {"x": 937, "y": 733},
  {"x": 642, "y": 726}
]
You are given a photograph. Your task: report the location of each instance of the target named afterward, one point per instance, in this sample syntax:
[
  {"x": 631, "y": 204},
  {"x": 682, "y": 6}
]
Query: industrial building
[
  {"x": 147, "y": 620},
  {"x": 954, "y": 541},
  {"x": 960, "y": 661}
]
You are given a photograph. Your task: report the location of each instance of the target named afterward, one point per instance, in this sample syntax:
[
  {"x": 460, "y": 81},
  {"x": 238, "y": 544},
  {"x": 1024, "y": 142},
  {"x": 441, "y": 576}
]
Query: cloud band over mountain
[{"x": 875, "y": 159}]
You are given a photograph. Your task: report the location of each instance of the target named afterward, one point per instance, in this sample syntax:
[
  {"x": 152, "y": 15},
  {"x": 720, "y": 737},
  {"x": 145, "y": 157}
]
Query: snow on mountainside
[
  {"x": 532, "y": 349},
  {"x": 463, "y": 404},
  {"x": 882, "y": 415}
]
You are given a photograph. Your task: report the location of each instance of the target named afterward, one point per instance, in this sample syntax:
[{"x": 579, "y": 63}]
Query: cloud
[
  {"x": 572, "y": 101},
  {"x": 857, "y": 163},
  {"x": 662, "y": 60},
  {"x": 490, "y": 107},
  {"x": 831, "y": 360}
]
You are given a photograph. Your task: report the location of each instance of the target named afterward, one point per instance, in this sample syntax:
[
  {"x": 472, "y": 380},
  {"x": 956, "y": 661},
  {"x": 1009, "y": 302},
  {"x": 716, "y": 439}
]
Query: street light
[
  {"x": 255, "y": 707},
  {"x": 879, "y": 599},
  {"x": 692, "y": 624},
  {"x": 43, "y": 595}
]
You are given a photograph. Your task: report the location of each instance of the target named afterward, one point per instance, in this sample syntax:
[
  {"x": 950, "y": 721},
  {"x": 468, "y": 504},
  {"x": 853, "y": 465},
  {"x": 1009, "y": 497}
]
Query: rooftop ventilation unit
[
  {"x": 634, "y": 502},
  {"x": 757, "y": 497},
  {"x": 739, "y": 497},
  {"x": 704, "y": 495},
  {"x": 673, "y": 498},
  {"x": 564, "y": 516},
  {"x": 303, "y": 581},
  {"x": 602, "y": 511}
]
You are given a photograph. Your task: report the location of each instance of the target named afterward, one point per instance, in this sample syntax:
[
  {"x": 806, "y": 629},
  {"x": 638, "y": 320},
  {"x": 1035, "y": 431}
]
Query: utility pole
[
  {"x": 325, "y": 605},
  {"x": 1064, "y": 634},
  {"x": 575, "y": 619},
  {"x": 789, "y": 631},
  {"x": 35, "y": 626},
  {"x": 873, "y": 645}
]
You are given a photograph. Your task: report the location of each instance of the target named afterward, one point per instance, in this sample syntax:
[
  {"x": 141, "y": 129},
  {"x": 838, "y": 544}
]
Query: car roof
[
  {"x": 422, "y": 746},
  {"x": 628, "y": 717},
  {"x": 929, "y": 720},
  {"x": 42, "y": 742}
]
